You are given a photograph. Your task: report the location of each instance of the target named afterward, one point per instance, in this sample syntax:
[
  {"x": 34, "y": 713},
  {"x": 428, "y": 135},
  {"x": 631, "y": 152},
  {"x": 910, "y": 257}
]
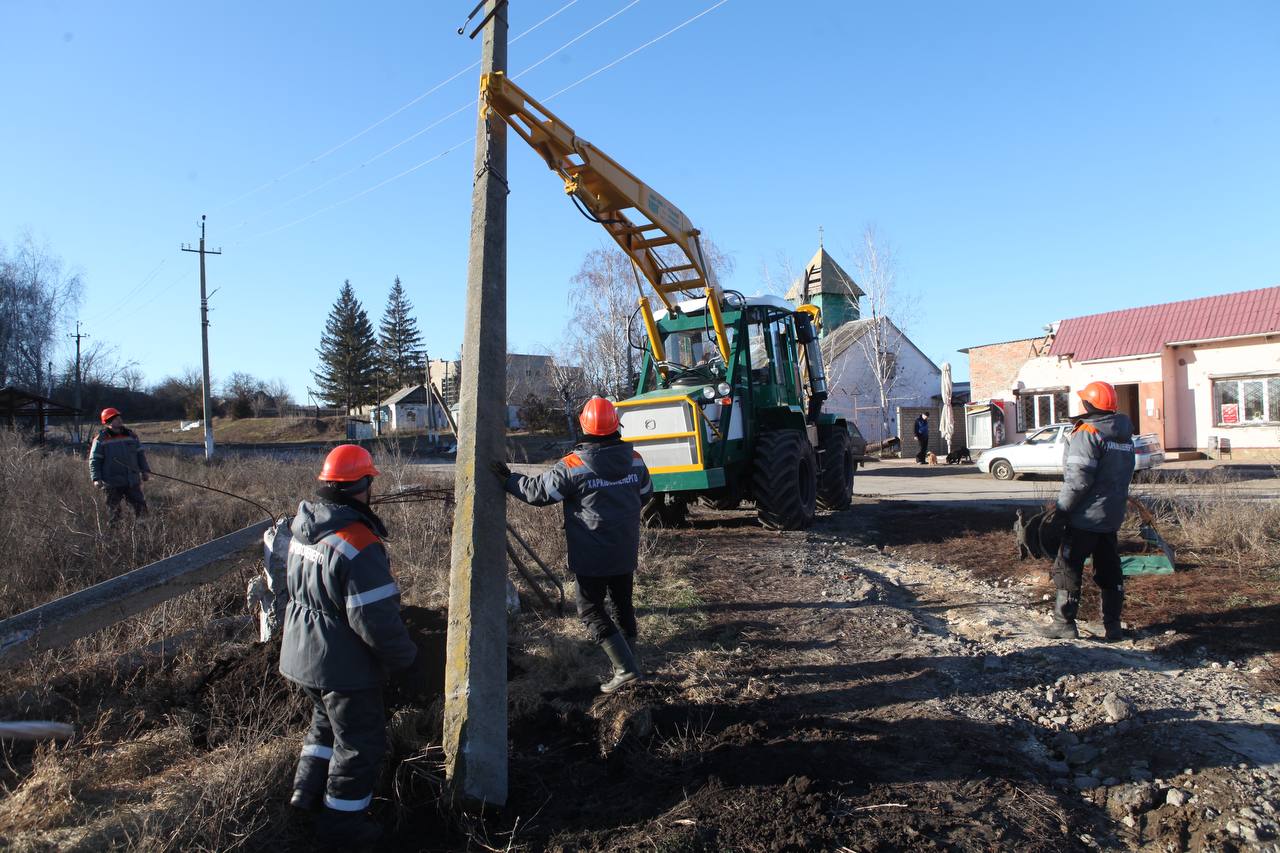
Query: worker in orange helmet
[
  {"x": 1097, "y": 467},
  {"x": 118, "y": 464},
  {"x": 343, "y": 635},
  {"x": 603, "y": 484}
]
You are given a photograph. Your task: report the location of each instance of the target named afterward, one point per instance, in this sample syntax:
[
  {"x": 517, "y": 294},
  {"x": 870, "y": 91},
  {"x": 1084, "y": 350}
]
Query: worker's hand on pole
[
  {"x": 98, "y": 484},
  {"x": 500, "y": 470}
]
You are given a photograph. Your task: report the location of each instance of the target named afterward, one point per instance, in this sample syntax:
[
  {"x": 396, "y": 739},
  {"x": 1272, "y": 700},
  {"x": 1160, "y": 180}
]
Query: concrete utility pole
[
  {"x": 475, "y": 681},
  {"x": 204, "y": 342},
  {"x": 78, "y": 335}
]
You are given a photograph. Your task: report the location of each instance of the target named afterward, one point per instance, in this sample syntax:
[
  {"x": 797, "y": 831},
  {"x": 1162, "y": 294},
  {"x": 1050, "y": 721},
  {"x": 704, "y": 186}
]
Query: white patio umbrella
[{"x": 946, "y": 423}]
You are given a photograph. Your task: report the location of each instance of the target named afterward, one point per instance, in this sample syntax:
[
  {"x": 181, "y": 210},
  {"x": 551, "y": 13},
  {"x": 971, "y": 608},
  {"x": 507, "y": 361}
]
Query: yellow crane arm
[{"x": 638, "y": 219}]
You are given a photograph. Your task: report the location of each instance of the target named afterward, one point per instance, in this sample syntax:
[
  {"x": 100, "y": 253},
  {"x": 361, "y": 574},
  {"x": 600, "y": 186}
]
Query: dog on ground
[
  {"x": 960, "y": 454},
  {"x": 933, "y": 458}
]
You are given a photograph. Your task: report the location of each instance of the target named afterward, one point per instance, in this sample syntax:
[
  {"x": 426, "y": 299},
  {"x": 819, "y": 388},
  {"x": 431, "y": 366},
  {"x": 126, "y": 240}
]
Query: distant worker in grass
[
  {"x": 603, "y": 484},
  {"x": 118, "y": 464},
  {"x": 922, "y": 438},
  {"x": 343, "y": 635},
  {"x": 1097, "y": 468}
]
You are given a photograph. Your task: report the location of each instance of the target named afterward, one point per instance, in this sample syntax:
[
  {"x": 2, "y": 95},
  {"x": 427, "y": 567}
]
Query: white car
[{"x": 1041, "y": 453}]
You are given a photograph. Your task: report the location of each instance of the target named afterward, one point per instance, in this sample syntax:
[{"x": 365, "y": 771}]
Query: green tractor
[
  {"x": 746, "y": 428},
  {"x": 728, "y": 403}
]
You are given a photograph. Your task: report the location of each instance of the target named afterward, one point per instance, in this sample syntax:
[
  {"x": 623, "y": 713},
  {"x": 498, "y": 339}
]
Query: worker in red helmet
[
  {"x": 343, "y": 636},
  {"x": 1097, "y": 468},
  {"x": 118, "y": 464},
  {"x": 603, "y": 484}
]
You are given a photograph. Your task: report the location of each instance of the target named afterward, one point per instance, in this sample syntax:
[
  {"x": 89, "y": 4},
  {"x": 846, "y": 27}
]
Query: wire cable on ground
[
  {"x": 456, "y": 146},
  {"x": 381, "y": 121},
  {"x": 139, "y": 472}
]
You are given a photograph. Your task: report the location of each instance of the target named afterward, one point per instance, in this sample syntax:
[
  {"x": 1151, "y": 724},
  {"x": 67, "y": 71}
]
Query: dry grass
[
  {"x": 145, "y": 770},
  {"x": 1214, "y": 522}
]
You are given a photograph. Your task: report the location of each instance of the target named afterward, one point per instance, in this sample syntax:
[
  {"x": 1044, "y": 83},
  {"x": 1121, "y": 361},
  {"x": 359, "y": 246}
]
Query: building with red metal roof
[{"x": 1200, "y": 374}]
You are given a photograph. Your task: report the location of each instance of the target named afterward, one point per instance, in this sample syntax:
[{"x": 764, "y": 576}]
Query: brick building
[{"x": 1200, "y": 374}]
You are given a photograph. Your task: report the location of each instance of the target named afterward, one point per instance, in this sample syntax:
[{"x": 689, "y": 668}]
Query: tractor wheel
[
  {"x": 784, "y": 480},
  {"x": 658, "y": 512},
  {"x": 835, "y": 480}
]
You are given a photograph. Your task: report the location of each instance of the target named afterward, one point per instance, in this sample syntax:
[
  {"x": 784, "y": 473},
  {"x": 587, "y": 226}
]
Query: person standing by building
[
  {"x": 343, "y": 635},
  {"x": 922, "y": 438},
  {"x": 603, "y": 484},
  {"x": 118, "y": 464},
  {"x": 1097, "y": 468}
]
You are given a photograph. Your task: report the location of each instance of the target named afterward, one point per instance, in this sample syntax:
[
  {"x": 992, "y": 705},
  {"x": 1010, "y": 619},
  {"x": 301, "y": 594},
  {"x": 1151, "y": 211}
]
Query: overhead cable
[
  {"x": 458, "y": 145},
  {"x": 434, "y": 124},
  {"x": 344, "y": 143}
]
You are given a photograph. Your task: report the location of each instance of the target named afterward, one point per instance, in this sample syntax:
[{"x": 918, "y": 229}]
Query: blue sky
[{"x": 1028, "y": 162}]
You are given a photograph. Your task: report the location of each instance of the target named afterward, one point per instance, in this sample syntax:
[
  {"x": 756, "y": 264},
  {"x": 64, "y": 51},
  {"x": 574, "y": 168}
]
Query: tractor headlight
[
  {"x": 708, "y": 393},
  {"x": 723, "y": 389}
]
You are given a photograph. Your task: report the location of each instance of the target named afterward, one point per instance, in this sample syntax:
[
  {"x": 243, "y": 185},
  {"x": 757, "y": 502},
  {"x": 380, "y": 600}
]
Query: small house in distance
[
  {"x": 1203, "y": 375},
  {"x": 410, "y": 409}
]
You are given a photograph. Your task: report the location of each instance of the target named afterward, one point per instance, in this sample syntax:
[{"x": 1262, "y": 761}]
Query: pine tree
[
  {"x": 399, "y": 341},
  {"x": 348, "y": 354}
]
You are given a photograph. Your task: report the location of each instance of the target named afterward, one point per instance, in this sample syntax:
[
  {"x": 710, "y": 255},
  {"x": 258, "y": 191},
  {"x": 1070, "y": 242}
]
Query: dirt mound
[{"x": 247, "y": 685}]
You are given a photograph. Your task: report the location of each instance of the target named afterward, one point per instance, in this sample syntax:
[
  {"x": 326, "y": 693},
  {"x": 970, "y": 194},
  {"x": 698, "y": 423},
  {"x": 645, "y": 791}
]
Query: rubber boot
[
  {"x": 625, "y": 670},
  {"x": 633, "y": 643},
  {"x": 307, "y": 801},
  {"x": 1063, "y": 626},
  {"x": 1112, "y": 605},
  {"x": 347, "y": 830}
]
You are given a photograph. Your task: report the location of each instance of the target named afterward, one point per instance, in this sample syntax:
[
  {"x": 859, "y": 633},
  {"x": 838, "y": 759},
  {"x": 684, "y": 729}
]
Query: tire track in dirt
[{"x": 910, "y": 705}]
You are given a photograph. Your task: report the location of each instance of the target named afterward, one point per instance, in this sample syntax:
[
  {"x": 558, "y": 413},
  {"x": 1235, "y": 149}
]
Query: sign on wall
[{"x": 1230, "y": 413}]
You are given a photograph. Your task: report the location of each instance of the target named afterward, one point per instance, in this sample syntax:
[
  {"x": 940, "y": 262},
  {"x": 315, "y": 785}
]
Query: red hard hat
[
  {"x": 1100, "y": 395},
  {"x": 109, "y": 413},
  {"x": 599, "y": 417},
  {"x": 347, "y": 463}
]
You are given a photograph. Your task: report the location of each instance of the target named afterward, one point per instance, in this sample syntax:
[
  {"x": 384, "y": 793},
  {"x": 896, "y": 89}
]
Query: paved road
[{"x": 903, "y": 479}]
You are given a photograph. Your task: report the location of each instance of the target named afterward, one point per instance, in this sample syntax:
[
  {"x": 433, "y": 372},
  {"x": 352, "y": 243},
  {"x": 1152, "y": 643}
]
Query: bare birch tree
[
  {"x": 889, "y": 312},
  {"x": 37, "y": 296},
  {"x": 603, "y": 299}
]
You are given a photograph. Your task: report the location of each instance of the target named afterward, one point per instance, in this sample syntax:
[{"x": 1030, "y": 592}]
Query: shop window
[
  {"x": 1037, "y": 410},
  {"x": 1247, "y": 400}
]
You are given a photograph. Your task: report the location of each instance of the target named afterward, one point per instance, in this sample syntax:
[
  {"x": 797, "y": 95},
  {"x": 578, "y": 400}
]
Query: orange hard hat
[
  {"x": 347, "y": 463},
  {"x": 599, "y": 417},
  {"x": 1100, "y": 395},
  {"x": 109, "y": 413}
]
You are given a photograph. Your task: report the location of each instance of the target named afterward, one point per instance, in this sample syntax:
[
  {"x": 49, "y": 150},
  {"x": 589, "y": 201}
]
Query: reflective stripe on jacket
[
  {"x": 117, "y": 458},
  {"x": 603, "y": 487},
  {"x": 1097, "y": 466},
  {"x": 342, "y": 627}
]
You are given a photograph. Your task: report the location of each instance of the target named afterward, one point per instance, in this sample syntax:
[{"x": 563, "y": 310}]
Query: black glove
[
  {"x": 1055, "y": 522},
  {"x": 408, "y": 685},
  {"x": 500, "y": 470}
]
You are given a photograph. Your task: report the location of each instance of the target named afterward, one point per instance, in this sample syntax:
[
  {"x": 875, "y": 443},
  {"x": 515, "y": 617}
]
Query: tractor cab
[{"x": 697, "y": 417}]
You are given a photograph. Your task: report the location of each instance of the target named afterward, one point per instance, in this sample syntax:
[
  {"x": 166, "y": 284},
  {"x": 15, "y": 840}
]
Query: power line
[
  {"x": 434, "y": 124},
  {"x": 381, "y": 121},
  {"x": 458, "y": 145},
  {"x": 632, "y": 53},
  {"x": 135, "y": 290}
]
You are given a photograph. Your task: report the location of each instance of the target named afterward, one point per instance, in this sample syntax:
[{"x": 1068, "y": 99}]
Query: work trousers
[
  {"x": 1078, "y": 546},
  {"x": 590, "y": 598},
  {"x": 343, "y": 749},
  {"x": 923, "y": 441},
  {"x": 132, "y": 494}
]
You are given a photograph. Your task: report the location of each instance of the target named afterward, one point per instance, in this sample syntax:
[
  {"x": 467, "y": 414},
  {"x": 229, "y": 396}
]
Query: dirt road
[{"x": 836, "y": 697}]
